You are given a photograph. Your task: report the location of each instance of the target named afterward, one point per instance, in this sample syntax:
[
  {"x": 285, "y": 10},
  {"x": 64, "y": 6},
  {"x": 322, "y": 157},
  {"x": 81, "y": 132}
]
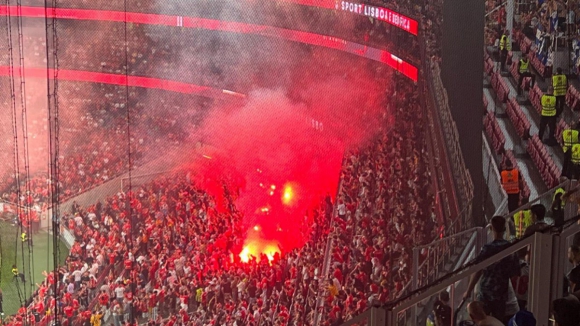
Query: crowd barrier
[{"x": 548, "y": 262}]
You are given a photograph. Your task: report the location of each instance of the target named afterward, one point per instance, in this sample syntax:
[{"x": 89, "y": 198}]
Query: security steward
[
  {"x": 560, "y": 85},
  {"x": 558, "y": 205},
  {"x": 524, "y": 70},
  {"x": 575, "y": 160},
  {"x": 504, "y": 47},
  {"x": 24, "y": 237},
  {"x": 548, "y": 116},
  {"x": 510, "y": 180},
  {"x": 569, "y": 138},
  {"x": 522, "y": 220}
]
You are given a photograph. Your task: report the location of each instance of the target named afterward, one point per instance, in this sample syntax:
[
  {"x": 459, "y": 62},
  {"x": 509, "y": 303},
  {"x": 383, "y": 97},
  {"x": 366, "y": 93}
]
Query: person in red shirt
[
  {"x": 68, "y": 311},
  {"x": 184, "y": 316},
  {"x": 128, "y": 264},
  {"x": 104, "y": 299}
]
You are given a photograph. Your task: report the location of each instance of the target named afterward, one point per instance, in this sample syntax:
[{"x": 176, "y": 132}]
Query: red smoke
[{"x": 285, "y": 155}]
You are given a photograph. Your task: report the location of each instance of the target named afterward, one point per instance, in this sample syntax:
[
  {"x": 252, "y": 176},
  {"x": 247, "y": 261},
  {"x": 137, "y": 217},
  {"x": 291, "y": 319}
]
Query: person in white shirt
[
  {"x": 120, "y": 292},
  {"x": 479, "y": 317},
  {"x": 341, "y": 208}
]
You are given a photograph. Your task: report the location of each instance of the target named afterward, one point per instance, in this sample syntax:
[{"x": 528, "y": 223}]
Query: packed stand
[
  {"x": 381, "y": 216},
  {"x": 182, "y": 263}
]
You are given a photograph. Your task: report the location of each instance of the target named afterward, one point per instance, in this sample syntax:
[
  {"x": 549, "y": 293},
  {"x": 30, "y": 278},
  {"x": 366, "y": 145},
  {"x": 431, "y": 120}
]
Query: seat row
[
  {"x": 535, "y": 97},
  {"x": 485, "y": 104},
  {"x": 500, "y": 87},
  {"x": 524, "y": 42},
  {"x": 573, "y": 98},
  {"x": 518, "y": 118},
  {"x": 494, "y": 132},
  {"x": 543, "y": 161},
  {"x": 560, "y": 127}
]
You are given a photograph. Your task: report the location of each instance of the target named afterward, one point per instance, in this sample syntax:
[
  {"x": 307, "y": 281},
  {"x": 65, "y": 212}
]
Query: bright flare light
[
  {"x": 256, "y": 247},
  {"x": 287, "y": 195},
  {"x": 271, "y": 251},
  {"x": 256, "y": 228},
  {"x": 245, "y": 254}
]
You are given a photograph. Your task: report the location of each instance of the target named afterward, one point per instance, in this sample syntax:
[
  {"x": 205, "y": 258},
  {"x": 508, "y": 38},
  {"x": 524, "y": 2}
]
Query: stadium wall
[{"x": 462, "y": 71}]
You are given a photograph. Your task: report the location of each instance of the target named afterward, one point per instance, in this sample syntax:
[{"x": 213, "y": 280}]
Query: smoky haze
[{"x": 304, "y": 106}]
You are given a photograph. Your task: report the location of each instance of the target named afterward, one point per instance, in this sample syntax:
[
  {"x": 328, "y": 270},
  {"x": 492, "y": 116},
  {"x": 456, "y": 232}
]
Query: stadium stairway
[{"x": 511, "y": 122}]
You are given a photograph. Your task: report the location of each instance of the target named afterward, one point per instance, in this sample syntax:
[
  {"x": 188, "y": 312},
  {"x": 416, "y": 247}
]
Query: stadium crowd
[
  {"x": 182, "y": 266},
  {"x": 174, "y": 260},
  {"x": 381, "y": 216}
]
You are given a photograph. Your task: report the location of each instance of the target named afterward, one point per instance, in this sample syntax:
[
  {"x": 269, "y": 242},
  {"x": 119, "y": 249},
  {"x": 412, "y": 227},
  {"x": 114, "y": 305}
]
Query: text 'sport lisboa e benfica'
[{"x": 391, "y": 17}]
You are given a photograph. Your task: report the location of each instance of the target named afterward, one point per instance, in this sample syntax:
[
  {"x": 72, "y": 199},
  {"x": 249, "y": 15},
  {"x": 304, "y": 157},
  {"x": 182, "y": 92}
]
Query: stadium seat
[
  {"x": 494, "y": 132},
  {"x": 560, "y": 127},
  {"x": 485, "y": 104},
  {"x": 543, "y": 161}
]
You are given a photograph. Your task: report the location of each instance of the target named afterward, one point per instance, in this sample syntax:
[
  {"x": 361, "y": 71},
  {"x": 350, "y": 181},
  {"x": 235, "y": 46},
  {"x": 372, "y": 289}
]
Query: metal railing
[
  {"x": 440, "y": 257},
  {"x": 548, "y": 261},
  {"x": 492, "y": 176}
]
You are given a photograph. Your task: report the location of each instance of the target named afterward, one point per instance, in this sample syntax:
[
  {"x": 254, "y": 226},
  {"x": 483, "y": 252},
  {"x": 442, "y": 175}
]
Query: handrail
[
  {"x": 469, "y": 231},
  {"x": 453, "y": 277},
  {"x": 470, "y": 268},
  {"x": 563, "y": 184}
]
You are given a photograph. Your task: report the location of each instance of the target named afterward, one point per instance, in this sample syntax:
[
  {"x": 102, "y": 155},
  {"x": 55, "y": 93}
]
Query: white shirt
[
  {"x": 341, "y": 209},
  {"x": 120, "y": 291},
  {"x": 77, "y": 274}
]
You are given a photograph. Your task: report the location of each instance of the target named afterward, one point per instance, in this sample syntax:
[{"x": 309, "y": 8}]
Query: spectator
[
  {"x": 538, "y": 213},
  {"x": 566, "y": 311},
  {"x": 476, "y": 310},
  {"x": 441, "y": 314},
  {"x": 521, "y": 282},
  {"x": 522, "y": 318},
  {"x": 496, "y": 277}
]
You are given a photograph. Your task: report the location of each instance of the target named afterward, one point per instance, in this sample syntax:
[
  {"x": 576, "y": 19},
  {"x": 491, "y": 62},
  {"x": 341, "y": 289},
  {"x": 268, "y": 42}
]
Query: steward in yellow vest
[
  {"x": 569, "y": 138},
  {"x": 524, "y": 70},
  {"x": 522, "y": 220},
  {"x": 575, "y": 161},
  {"x": 505, "y": 45},
  {"x": 548, "y": 115},
  {"x": 560, "y": 85}
]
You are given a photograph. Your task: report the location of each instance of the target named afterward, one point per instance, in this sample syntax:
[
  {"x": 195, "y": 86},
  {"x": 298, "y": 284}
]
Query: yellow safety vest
[
  {"x": 560, "y": 191},
  {"x": 504, "y": 43},
  {"x": 524, "y": 66},
  {"x": 576, "y": 154},
  {"x": 198, "y": 294},
  {"x": 569, "y": 138},
  {"x": 15, "y": 271},
  {"x": 23, "y": 237},
  {"x": 522, "y": 220},
  {"x": 548, "y": 105},
  {"x": 560, "y": 84}
]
